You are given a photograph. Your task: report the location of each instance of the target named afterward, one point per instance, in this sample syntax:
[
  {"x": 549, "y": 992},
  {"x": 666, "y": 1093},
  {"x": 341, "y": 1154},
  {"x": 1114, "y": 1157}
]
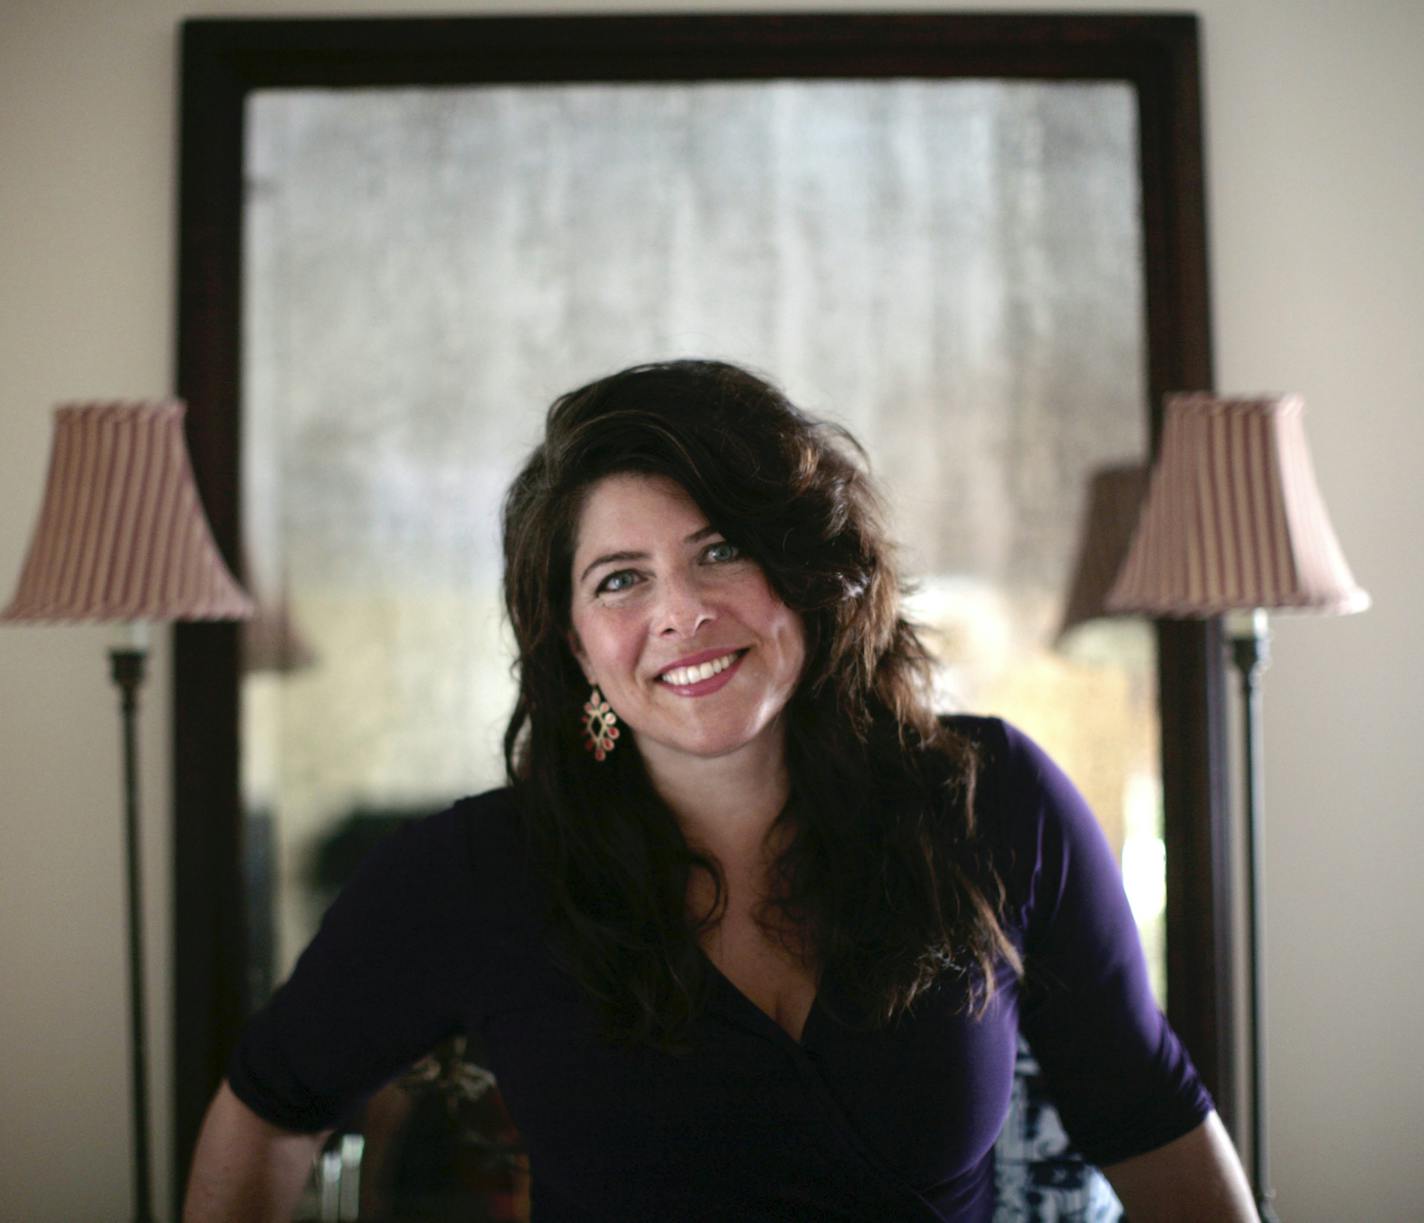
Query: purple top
[{"x": 440, "y": 932}]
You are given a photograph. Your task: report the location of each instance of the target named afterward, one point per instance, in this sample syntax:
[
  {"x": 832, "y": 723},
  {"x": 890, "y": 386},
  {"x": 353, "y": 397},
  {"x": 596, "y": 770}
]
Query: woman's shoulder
[
  {"x": 479, "y": 822},
  {"x": 980, "y": 729},
  {"x": 1028, "y": 812},
  {"x": 471, "y": 852},
  {"x": 488, "y": 820},
  {"x": 1062, "y": 882},
  {"x": 1003, "y": 754},
  {"x": 1009, "y": 764},
  {"x": 481, "y": 835}
]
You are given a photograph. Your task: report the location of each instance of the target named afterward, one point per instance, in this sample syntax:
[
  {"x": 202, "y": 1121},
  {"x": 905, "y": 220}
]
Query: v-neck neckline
[{"x": 763, "y": 1019}]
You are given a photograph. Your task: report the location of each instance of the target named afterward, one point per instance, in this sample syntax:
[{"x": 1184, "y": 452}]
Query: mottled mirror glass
[{"x": 953, "y": 269}]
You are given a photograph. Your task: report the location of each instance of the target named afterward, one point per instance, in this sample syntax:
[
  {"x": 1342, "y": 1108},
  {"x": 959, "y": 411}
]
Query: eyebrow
[{"x": 615, "y": 558}]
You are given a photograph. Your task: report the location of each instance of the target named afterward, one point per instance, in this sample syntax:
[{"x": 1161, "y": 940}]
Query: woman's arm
[
  {"x": 245, "y": 1169},
  {"x": 1191, "y": 1179}
]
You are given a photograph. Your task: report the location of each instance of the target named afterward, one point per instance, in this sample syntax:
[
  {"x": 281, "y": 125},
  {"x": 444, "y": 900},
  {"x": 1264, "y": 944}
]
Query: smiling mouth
[{"x": 680, "y": 677}]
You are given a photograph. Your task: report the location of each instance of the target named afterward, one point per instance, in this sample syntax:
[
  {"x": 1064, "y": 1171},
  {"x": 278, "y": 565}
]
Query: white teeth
[{"x": 706, "y": 670}]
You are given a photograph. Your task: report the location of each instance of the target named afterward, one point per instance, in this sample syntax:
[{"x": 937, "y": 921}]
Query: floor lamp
[
  {"x": 121, "y": 537},
  {"x": 1234, "y": 525}
]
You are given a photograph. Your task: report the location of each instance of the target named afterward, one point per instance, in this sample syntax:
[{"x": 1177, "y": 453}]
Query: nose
[{"x": 682, "y": 608}]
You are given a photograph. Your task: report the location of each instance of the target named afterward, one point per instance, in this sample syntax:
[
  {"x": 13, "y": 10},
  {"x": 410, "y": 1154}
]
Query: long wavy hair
[{"x": 880, "y": 881}]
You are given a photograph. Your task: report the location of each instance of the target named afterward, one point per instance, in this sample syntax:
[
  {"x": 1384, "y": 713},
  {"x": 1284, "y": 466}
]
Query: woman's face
[{"x": 683, "y": 635}]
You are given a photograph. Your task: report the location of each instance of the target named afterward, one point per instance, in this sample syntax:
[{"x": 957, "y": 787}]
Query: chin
[{"x": 715, "y": 742}]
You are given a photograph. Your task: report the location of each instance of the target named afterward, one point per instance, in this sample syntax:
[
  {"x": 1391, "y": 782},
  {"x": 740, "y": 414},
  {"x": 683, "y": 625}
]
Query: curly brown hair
[{"x": 880, "y": 880}]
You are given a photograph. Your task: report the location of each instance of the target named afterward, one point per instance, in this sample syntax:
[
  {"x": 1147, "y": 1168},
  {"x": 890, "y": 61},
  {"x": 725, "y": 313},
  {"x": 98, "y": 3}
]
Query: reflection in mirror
[{"x": 952, "y": 269}]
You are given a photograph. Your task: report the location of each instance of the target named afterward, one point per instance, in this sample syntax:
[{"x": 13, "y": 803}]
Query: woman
[{"x": 751, "y": 933}]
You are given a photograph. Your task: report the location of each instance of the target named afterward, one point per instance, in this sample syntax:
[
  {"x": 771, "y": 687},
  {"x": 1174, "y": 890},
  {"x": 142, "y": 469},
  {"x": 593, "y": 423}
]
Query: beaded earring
[{"x": 599, "y": 730}]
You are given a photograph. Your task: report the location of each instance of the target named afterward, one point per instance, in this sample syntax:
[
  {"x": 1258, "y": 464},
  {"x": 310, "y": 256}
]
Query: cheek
[
  {"x": 789, "y": 632},
  {"x": 796, "y": 648},
  {"x": 583, "y": 642},
  {"x": 609, "y": 641}
]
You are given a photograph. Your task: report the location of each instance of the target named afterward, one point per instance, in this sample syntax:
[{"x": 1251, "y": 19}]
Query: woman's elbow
[
  {"x": 244, "y": 1167},
  {"x": 1192, "y": 1179}
]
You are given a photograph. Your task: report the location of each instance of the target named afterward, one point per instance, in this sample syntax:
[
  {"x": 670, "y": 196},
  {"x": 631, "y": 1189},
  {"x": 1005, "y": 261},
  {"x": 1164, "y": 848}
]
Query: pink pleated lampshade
[
  {"x": 1233, "y": 518},
  {"x": 121, "y": 533}
]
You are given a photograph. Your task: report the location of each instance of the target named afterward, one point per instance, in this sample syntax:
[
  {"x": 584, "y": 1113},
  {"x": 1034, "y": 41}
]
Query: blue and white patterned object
[{"x": 1039, "y": 1177}]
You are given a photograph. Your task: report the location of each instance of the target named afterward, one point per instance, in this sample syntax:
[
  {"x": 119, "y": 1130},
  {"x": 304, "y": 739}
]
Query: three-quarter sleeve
[
  {"x": 381, "y": 984},
  {"x": 1120, "y": 1077}
]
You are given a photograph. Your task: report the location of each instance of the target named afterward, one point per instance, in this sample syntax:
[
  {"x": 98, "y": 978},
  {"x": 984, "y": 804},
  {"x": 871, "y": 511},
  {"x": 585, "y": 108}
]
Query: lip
[{"x": 704, "y": 687}]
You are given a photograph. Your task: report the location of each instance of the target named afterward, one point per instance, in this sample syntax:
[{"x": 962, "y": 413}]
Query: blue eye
[
  {"x": 616, "y": 582},
  {"x": 722, "y": 551}
]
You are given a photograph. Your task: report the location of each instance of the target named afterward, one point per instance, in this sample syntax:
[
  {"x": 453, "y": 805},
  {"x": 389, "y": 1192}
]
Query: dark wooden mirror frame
[{"x": 224, "y": 60}]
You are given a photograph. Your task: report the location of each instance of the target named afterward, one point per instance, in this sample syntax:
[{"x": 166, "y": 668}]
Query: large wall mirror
[{"x": 975, "y": 241}]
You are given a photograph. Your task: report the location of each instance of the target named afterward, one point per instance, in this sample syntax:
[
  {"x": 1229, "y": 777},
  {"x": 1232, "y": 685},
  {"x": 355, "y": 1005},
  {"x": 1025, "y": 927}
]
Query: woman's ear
[{"x": 580, "y": 657}]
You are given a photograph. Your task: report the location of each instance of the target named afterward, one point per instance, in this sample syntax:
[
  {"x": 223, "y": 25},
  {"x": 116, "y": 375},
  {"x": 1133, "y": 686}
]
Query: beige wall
[{"x": 1315, "y": 123}]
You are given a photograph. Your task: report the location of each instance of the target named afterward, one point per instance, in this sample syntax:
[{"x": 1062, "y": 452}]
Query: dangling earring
[{"x": 599, "y": 731}]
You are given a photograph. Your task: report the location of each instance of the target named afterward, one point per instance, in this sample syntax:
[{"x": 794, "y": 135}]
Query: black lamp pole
[
  {"x": 1251, "y": 652},
  {"x": 127, "y": 669}
]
